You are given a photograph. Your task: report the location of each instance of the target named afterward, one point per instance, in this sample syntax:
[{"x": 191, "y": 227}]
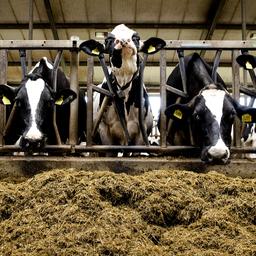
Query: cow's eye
[
  {"x": 50, "y": 103},
  {"x": 196, "y": 116},
  {"x": 18, "y": 102},
  {"x": 136, "y": 40}
]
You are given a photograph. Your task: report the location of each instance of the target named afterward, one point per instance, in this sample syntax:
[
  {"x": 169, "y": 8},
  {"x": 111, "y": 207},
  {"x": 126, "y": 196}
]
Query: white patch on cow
[
  {"x": 214, "y": 100},
  {"x": 48, "y": 64},
  {"x": 123, "y": 40},
  {"x": 122, "y": 32},
  {"x": 250, "y": 142},
  {"x": 34, "y": 91}
]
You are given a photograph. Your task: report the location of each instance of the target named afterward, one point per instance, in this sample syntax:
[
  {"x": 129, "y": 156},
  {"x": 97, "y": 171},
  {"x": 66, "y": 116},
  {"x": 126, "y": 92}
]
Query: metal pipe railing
[{"x": 72, "y": 46}]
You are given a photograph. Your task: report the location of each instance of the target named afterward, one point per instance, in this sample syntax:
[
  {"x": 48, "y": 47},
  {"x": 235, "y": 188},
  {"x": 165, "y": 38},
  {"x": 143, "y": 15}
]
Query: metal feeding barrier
[{"x": 73, "y": 47}]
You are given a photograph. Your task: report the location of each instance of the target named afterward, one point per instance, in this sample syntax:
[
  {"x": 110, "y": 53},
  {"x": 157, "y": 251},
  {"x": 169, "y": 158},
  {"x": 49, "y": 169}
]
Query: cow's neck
[{"x": 125, "y": 74}]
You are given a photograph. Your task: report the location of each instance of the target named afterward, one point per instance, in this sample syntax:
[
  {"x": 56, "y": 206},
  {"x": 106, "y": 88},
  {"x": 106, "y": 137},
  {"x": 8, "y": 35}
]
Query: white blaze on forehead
[
  {"x": 34, "y": 91},
  {"x": 214, "y": 100},
  {"x": 48, "y": 64},
  {"x": 122, "y": 32}
]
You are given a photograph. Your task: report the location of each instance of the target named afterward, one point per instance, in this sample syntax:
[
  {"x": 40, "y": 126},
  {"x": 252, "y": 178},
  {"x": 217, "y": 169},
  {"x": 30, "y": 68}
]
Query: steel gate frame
[{"x": 73, "y": 45}]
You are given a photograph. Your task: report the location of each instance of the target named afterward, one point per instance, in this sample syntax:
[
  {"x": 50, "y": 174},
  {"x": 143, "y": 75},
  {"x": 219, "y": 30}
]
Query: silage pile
[{"x": 70, "y": 212}]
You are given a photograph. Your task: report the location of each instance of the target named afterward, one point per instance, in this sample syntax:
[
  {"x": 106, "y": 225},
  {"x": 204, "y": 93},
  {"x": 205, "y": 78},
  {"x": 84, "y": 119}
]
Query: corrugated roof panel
[
  {"x": 123, "y": 11},
  {"x": 6, "y": 13},
  {"x": 197, "y": 11},
  {"x": 148, "y": 11},
  {"x": 228, "y": 11},
  {"x": 98, "y": 11},
  {"x": 172, "y": 11},
  {"x": 74, "y": 11}
]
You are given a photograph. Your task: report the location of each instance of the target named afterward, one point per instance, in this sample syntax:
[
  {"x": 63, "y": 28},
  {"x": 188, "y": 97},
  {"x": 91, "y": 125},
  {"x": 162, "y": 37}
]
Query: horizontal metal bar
[
  {"x": 170, "y": 44},
  {"x": 210, "y": 44},
  {"x": 39, "y": 44},
  {"x": 142, "y": 25},
  {"x": 117, "y": 148}
]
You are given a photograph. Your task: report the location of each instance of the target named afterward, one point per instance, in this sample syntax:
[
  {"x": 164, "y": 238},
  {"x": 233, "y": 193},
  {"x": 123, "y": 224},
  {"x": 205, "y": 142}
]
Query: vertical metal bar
[
  {"x": 23, "y": 62},
  {"x": 3, "y": 80},
  {"x": 73, "y": 121},
  {"x": 142, "y": 126},
  {"x": 243, "y": 16},
  {"x": 182, "y": 69},
  {"x": 215, "y": 65},
  {"x": 30, "y": 32},
  {"x": 89, "y": 123},
  {"x": 54, "y": 83},
  {"x": 236, "y": 95},
  {"x": 163, "y": 98}
]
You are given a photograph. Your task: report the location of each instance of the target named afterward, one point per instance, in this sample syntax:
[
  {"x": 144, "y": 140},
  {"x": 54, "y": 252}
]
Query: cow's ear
[
  {"x": 64, "y": 97},
  {"x": 152, "y": 45},
  {"x": 7, "y": 94},
  {"x": 246, "y": 114},
  {"x": 247, "y": 61},
  {"x": 178, "y": 112},
  {"x": 92, "y": 47}
]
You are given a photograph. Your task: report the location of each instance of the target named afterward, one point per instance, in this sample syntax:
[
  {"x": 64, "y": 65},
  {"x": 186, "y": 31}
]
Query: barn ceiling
[{"x": 168, "y": 19}]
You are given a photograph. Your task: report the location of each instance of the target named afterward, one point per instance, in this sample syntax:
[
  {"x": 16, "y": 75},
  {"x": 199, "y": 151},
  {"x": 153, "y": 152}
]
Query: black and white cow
[
  {"x": 207, "y": 114},
  {"x": 123, "y": 45},
  {"x": 248, "y": 138},
  {"x": 32, "y": 124}
]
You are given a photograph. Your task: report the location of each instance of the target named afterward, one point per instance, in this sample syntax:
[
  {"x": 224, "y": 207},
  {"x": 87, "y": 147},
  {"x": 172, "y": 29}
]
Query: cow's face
[
  {"x": 34, "y": 101},
  {"x": 211, "y": 115},
  {"x": 122, "y": 44}
]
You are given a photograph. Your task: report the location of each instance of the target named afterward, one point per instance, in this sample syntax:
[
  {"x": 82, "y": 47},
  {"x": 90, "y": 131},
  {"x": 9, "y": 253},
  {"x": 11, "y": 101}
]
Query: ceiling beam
[
  {"x": 82, "y": 25},
  {"x": 51, "y": 19},
  {"x": 53, "y": 27},
  {"x": 212, "y": 17}
]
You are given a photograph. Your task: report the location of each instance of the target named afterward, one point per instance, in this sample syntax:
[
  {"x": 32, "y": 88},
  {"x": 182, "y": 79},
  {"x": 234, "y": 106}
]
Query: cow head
[
  {"x": 211, "y": 115},
  {"x": 123, "y": 44},
  {"x": 34, "y": 100}
]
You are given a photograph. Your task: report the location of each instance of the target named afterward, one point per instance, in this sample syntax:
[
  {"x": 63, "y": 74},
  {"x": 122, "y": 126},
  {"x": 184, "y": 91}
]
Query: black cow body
[
  {"x": 32, "y": 124},
  {"x": 205, "y": 118}
]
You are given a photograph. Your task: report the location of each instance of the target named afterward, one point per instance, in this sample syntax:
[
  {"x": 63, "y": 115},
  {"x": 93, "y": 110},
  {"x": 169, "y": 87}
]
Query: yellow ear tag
[
  {"x": 178, "y": 114},
  {"x": 95, "y": 51},
  {"x": 246, "y": 118},
  {"x": 6, "y": 101},
  {"x": 59, "y": 101},
  {"x": 248, "y": 65},
  {"x": 151, "y": 48}
]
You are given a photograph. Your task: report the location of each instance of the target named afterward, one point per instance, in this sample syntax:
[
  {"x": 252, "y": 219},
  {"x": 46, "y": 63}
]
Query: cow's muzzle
[
  {"x": 210, "y": 156},
  {"x": 32, "y": 145}
]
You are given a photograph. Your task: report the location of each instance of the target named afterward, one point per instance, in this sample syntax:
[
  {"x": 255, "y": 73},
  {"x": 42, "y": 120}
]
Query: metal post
[
  {"x": 3, "y": 80},
  {"x": 163, "y": 98},
  {"x": 243, "y": 17},
  {"x": 30, "y": 32},
  {"x": 215, "y": 65},
  {"x": 54, "y": 83},
  {"x": 23, "y": 62},
  {"x": 182, "y": 69},
  {"x": 89, "y": 121},
  {"x": 73, "y": 121},
  {"x": 142, "y": 127},
  {"x": 236, "y": 95}
]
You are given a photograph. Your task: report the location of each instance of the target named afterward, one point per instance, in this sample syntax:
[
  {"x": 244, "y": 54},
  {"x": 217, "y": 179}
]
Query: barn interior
[
  {"x": 92, "y": 19},
  {"x": 183, "y": 20}
]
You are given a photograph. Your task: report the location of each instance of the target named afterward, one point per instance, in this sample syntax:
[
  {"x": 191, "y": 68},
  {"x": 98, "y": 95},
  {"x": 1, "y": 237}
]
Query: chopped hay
[{"x": 71, "y": 212}]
